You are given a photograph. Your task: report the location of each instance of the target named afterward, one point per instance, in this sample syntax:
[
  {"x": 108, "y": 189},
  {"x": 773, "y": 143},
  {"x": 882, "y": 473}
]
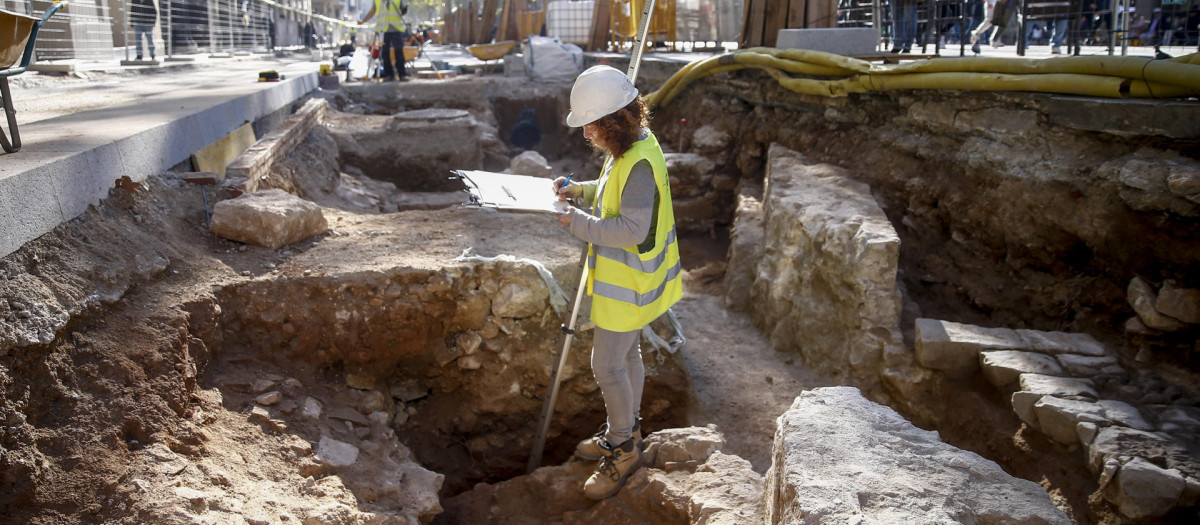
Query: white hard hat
[{"x": 599, "y": 91}]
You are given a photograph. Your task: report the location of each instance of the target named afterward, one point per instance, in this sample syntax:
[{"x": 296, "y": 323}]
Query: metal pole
[
  {"x": 878, "y": 24},
  {"x": 539, "y": 442},
  {"x": 125, "y": 27},
  {"x": 640, "y": 43},
  {"x": 1125, "y": 28},
  {"x": 170, "y": 26}
]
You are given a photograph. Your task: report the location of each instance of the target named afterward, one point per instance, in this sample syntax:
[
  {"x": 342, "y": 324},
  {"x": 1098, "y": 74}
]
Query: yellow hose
[{"x": 826, "y": 74}]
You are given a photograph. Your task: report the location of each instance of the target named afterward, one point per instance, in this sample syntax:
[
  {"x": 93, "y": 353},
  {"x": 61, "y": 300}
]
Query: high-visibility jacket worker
[
  {"x": 389, "y": 21},
  {"x": 633, "y": 259}
]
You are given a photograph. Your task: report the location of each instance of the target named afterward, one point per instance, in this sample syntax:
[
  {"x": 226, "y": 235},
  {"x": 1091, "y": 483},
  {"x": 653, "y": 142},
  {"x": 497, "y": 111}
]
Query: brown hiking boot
[
  {"x": 615, "y": 466},
  {"x": 590, "y": 450}
]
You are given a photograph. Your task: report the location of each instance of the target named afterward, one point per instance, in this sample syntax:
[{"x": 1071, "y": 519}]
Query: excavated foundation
[{"x": 408, "y": 347}]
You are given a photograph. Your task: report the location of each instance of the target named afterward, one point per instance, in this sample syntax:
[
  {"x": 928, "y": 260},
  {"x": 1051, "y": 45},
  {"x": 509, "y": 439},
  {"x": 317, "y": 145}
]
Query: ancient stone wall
[{"x": 825, "y": 283}]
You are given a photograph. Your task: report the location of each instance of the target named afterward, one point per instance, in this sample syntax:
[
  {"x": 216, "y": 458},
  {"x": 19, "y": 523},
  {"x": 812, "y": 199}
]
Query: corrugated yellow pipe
[{"x": 1099, "y": 76}]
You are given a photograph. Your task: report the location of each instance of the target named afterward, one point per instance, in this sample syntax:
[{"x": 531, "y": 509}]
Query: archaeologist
[
  {"x": 633, "y": 259},
  {"x": 389, "y": 20}
]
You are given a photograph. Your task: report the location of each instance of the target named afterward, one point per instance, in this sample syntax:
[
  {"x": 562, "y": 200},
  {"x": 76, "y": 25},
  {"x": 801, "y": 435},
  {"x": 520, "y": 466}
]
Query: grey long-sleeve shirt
[{"x": 633, "y": 226}]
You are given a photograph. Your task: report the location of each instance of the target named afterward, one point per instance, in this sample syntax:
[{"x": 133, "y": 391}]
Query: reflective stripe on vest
[
  {"x": 631, "y": 289},
  {"x": 387, "y": 16}
]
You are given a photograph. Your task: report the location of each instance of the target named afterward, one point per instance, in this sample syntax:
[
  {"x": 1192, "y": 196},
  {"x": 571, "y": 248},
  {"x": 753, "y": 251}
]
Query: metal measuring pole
[{"x": 539, "y": 442}]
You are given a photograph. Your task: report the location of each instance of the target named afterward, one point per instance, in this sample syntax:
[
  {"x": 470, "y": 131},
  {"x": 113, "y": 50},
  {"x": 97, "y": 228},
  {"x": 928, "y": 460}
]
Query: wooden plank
[
  {"x": 796, "y": 14},
  {"x": 752, "y": 27},
  {"x": 601, "y": 21},
  {"x": 487, "y": 22},
  {"x": 502, "y": 29},
  {"x": 215, "y": 157},
  {"x": 774, "y": 19},
  {"x": 822, "y": 13}
]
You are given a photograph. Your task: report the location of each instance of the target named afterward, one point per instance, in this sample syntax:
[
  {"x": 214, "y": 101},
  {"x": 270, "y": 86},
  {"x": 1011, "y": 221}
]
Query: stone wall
[{"x": 825, "y": 283}]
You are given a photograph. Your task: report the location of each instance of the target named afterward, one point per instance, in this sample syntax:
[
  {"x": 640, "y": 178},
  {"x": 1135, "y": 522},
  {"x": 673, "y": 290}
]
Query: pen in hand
[{"x": 565, "y": 182}]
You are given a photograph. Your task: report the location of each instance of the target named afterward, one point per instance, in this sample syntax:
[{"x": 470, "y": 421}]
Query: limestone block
[
  {"x": 710, "y": 139},
  {"x": 531, "y": 163},
  {"x": 693, "y": 172},
  {"x": 336, "y": 453},
  {"x": 1084, "y": 365},
  {"x": 833, "y": 443},
  {"x": 745, "y": 250},
  {"x": 1116, "y": 442},
  {"x": 682, "y": 445},
  {"x": 1185, "y": 182},
  {"x": 271, "y": 218},
  {"x": 1055, "y": 343},
  {"x": 954, "y": 348},
  {"x": 1179, "y": 303},
  {"x": 1058, "y": 386},
  {"x": 1057, "y": 417},
  {"x": 1086, "y": 432},
  {"x": 1022, "y": 403},
  {"x": 1141, "y": 489},
  {"x": 1191, "y": 492},
  {"x": 521, "y": 294},
  {"x": 826, "y": 283},
  {"x": 1004, "y": 367},
  {"x": 1144, "y": 300},
  {"x": 1124, "y": 414}
]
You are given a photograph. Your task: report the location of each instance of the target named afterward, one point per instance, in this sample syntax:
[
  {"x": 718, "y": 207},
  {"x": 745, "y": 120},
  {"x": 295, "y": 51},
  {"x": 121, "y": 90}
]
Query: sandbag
[{"x": 549, "y": 59}]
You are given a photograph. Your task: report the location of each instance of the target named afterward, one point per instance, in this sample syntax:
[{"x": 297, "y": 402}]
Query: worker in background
[
  {"x": 633, "y": 259},
  {"x": 389, "y": 20},
  {"x": 142, "y": 16}
]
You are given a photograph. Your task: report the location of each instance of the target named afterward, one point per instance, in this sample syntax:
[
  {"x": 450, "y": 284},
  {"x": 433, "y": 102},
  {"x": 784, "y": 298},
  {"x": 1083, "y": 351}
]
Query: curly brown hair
[{"x": 617, "y": 131}]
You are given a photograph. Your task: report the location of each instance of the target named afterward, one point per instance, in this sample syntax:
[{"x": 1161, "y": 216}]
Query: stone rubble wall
[
  {"x": 1145, "y": 458},
  {"x": 824, "y": 285},
  {"x": 840, "y": 458}
]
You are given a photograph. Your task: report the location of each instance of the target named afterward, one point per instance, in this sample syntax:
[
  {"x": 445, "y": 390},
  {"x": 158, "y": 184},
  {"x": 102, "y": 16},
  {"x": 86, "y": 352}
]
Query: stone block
[
  {"x": 954, "y": 348},
  {"x": 1141, "y": 489},
  {"x": 846, "y": 41},
  {"x": 1179, "y": 303},
  {"x": 1086, "y": 432},
  {"x": 1084, "y": 365},
  {"x": 273, "y": 218},
  {"x": 531, "y": 163},
  {"x": 1124, "y": 414},
  {"x": 833, "y": 443},
  {"x": 1057, "y": 417},
  {"x": 1144, "y": 300},
  {"x": 1004, "y": 367},
  {"x": 1022, "y": 403},
  {"x": 336, "y": 453},
  {"x": 1058, "y": 386},
  {"x": 1061, "y": 343},
  {"x": 745, "y": 250}
]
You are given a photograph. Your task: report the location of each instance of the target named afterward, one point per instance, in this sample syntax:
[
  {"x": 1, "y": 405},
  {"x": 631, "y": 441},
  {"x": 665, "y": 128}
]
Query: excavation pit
[{"x": 395, "y": 364}]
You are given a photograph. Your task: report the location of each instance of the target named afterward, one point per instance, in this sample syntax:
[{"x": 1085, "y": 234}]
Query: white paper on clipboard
[{"x": 511, "y": 192}]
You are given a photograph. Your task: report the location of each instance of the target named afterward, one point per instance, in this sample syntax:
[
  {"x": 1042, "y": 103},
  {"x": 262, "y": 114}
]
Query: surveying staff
[
  {"x": 633, "y": 259},
  {"x": 391, "y": 23}
]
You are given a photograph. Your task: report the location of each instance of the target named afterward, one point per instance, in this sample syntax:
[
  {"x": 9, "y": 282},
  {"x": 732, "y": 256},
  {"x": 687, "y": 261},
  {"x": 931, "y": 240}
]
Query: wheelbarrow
[
  {"x": 489, "y": 52},
  {"x": 18, "y": 34}
]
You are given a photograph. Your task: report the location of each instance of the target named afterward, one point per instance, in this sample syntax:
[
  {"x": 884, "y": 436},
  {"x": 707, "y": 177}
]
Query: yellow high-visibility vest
[
  {"x": 388, "y": 17},
  {"x": 631, "y": 288}
]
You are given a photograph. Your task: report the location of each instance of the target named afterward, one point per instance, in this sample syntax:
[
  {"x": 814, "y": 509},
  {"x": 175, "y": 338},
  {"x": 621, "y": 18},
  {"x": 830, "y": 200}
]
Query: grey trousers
[{"x": 617, "y": 367}]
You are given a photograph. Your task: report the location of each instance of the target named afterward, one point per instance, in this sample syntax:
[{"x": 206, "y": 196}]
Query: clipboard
[{"x": 505, "y": 191}]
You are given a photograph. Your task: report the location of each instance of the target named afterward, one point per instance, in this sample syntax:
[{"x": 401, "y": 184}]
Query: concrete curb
[{"x": 54, "y": 182}]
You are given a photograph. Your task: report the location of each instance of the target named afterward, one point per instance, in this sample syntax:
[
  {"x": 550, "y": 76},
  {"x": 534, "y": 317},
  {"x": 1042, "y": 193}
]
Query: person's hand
[
  {"x": 570, "y": 191},
  {"x": 564, "y": 219}
]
